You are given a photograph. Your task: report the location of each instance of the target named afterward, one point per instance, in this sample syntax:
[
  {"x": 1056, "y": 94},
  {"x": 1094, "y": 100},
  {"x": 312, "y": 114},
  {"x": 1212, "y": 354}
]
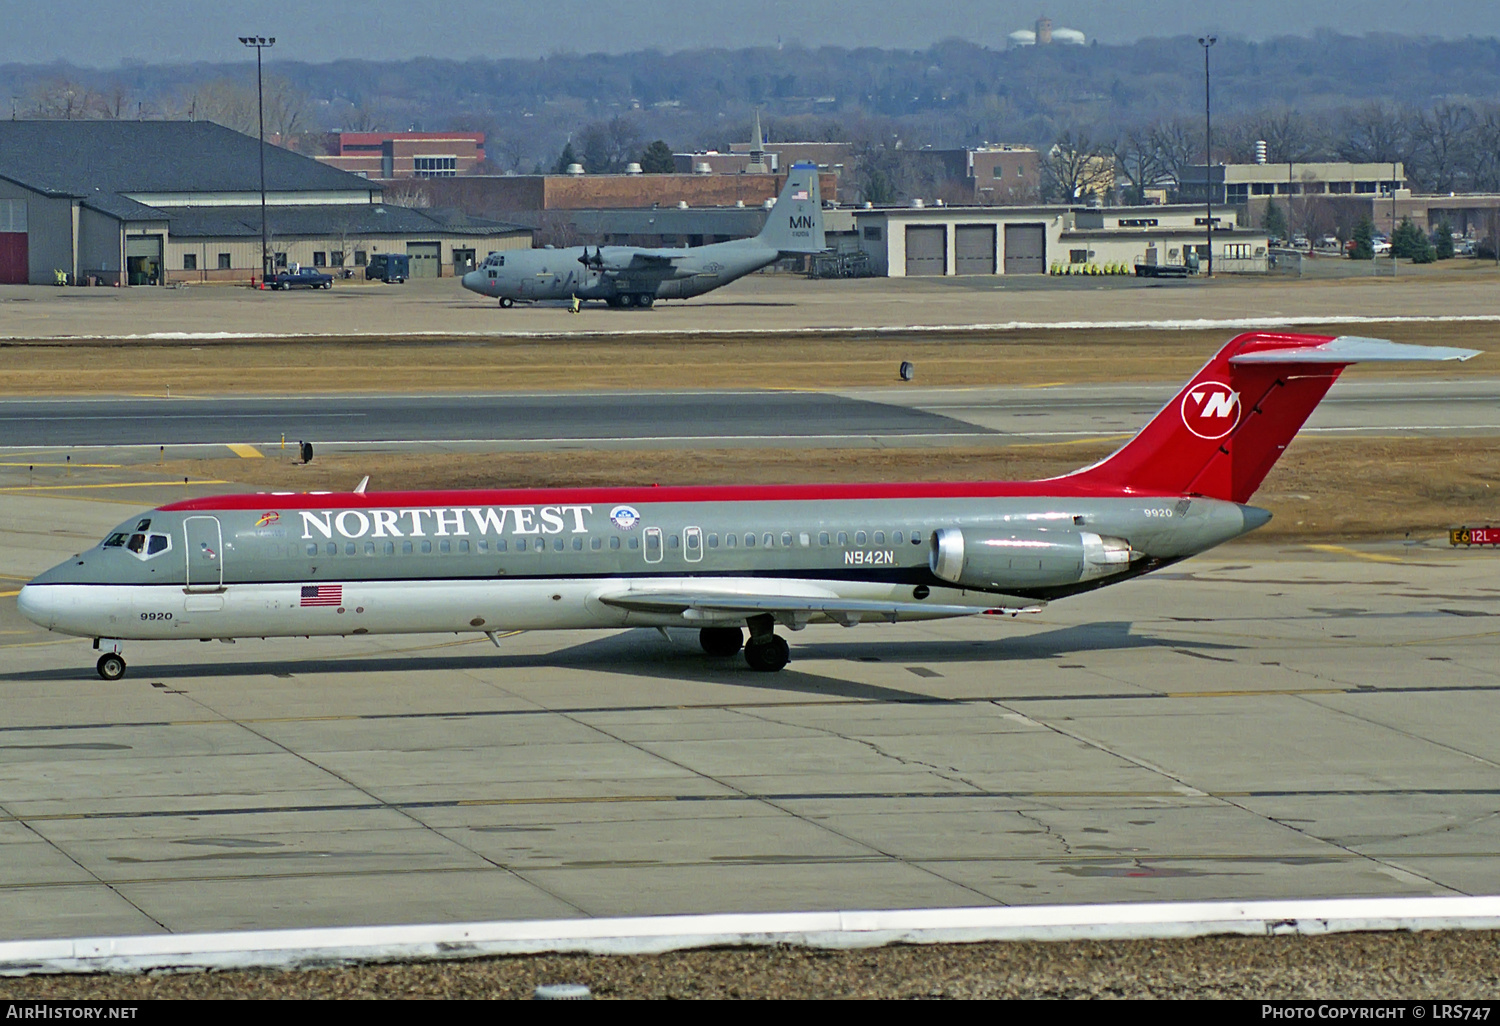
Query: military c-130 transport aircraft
[
  {"x": 625, "y": 276},
  {"x": 717, "y": 558}
]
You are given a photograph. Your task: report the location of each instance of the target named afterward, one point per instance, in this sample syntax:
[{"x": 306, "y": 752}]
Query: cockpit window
[
  {"x": 158, "y": 543},
  {"x": 144, "y": 525},
  {"x": 115, "y": 540},
  {"x": 136, "y": 543}
]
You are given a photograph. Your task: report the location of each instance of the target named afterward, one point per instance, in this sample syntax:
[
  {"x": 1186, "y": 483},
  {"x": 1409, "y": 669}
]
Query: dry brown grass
[
  {"x": 818, "y": 360},
  {"x": 1321, "y": 490}
]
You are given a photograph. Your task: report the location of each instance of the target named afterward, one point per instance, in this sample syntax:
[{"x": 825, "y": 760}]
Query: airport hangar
[
  {"x": 156, "y": 202},
  {"x": 944, "y": 240}
]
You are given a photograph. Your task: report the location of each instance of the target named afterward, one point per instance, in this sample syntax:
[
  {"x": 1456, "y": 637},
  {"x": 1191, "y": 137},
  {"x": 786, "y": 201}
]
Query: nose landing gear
[{"x": 111, "y": 665}]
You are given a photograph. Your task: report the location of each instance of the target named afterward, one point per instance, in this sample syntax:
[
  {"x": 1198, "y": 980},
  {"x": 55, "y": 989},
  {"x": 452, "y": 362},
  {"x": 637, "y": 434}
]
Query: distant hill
[{"x": 954, "y": 93}]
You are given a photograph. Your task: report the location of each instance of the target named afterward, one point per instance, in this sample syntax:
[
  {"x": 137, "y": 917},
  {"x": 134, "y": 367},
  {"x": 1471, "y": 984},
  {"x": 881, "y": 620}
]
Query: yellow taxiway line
[
  {"x": 117, "y": 484},
  {"x": 1343, "y": 550}
]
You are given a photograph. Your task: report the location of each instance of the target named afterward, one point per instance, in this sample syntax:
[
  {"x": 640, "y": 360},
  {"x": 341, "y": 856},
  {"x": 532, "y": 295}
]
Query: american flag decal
[
  {"x": 799, "y": 194},
  {"x": 323, "y": 595}
]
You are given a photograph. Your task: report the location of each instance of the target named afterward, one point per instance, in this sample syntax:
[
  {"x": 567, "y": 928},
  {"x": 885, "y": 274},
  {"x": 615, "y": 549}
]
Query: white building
[{"x": 940, "y": 240}]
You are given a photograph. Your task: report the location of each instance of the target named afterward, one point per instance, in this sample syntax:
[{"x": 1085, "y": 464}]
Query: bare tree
[
  {"x": 1075, "y": 166},
  {"x": 1138, "y": 159},
  {"x": 1444, "y": 141},
  {"x": 1376, "y": 133},
  {"x": 1178, "y": 145}
]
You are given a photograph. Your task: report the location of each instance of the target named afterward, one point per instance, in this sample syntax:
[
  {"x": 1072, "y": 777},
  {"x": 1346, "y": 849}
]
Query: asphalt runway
[
  {"x": 729, "y": 418},
  {"x": 1259, "y": 722}
]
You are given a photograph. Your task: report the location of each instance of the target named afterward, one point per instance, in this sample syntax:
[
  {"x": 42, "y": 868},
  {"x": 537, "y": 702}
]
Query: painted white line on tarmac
[
  {"x": 1177, "y": 324},
  {"x": 655, "y": 934}
]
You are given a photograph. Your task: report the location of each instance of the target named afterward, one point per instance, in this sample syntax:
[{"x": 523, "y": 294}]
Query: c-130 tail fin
[{"x": 795, "y": 223}]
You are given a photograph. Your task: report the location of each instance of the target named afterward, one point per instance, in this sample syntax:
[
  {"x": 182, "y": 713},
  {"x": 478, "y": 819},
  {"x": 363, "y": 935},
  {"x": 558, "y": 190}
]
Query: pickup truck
[{"x": 304, "y": 277}]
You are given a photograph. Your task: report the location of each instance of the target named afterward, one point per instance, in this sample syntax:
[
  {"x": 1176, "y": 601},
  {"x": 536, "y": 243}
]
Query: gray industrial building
[{"x": 152, "y": 202}]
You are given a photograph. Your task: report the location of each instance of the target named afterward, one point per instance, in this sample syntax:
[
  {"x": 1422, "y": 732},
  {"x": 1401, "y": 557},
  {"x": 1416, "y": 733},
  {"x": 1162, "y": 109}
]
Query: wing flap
[{"x": 717, "y": 605}]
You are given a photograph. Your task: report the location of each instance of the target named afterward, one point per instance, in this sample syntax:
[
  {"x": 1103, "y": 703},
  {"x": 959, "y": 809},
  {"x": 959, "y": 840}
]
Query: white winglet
[{"x": 359, "y": 489}]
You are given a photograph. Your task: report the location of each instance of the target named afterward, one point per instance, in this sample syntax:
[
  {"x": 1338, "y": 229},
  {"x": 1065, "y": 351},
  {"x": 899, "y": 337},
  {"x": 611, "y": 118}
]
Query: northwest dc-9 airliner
[{"x": 722, "y": 559}]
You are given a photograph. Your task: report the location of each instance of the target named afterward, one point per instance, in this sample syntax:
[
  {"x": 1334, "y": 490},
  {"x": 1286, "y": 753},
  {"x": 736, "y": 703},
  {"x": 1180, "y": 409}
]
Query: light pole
[
  {"x": 1208, "y": 154},
  {"x": 260, "y": 43},
  {"x": 1394, "y": 265}
]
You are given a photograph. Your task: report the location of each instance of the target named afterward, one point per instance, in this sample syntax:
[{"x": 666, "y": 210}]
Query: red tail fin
[{"x": 1221, "y": 434}]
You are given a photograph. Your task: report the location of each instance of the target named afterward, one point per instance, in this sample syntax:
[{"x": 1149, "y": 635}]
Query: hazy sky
[{"x": 169, "y": 31}]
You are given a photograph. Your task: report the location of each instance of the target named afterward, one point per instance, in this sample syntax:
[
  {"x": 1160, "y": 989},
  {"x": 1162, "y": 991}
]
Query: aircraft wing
[{"x": 792, "y": 609}]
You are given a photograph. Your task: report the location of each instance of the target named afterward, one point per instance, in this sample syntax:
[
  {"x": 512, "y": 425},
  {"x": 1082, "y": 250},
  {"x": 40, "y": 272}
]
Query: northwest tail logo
[{"x": 1210, "y": 409}]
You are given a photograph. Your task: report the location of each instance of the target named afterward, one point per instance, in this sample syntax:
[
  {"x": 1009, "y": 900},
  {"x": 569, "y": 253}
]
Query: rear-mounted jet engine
[{"x": 1026, "y": 559}]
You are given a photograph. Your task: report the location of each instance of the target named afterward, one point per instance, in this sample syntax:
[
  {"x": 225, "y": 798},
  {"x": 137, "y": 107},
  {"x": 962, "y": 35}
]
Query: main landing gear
[
  {"x": 506, "y": 303},
  {"x": 629, "y": 299},
  {"x": 764, "y": 651}
]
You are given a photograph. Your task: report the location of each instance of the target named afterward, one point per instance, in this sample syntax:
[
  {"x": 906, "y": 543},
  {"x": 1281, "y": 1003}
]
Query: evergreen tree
[
  {"x": 1442, "y": 241},
  {"x": 568, "y": 157},
  {"x": 656, "y": 159},
  {"x": 1407, "y": 241},
  {"x": 1275, "y": 222},
  {"x": 1364, "y": 240}
]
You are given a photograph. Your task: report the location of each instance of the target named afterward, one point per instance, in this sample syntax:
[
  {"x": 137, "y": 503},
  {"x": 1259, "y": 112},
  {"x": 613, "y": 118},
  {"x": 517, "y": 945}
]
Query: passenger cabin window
[
  {"x": 860, "y": 538},
  {"x": 614, "y": 541},
  {"x": 768, "y": 539},
  {"x": 312, "y": 548},
  {"x": 427, "y": 546},
  {"x": 879, "y": 537},
  {"x": 406, "y": 548},
  {"x": 750, "y": 541},
  {"x": 369, "y": 548},
  {"x": 348, "y": 548},
  {"x": 823, "y": 538},
  {"x": 729, "y": 540},
  {"x": 843, "y": 537}
]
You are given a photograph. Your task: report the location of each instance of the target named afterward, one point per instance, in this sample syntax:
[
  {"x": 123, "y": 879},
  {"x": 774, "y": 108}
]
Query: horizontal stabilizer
[{"x": 1353, "y": 349}]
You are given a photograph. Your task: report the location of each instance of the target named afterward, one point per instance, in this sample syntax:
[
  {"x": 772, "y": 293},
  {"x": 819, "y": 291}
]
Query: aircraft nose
[{"x": 35, "y": 604}]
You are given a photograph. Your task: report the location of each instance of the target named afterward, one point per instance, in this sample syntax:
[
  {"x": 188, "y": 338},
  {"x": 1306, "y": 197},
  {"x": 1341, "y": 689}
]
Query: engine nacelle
[{"x": 1006, "y": 560}]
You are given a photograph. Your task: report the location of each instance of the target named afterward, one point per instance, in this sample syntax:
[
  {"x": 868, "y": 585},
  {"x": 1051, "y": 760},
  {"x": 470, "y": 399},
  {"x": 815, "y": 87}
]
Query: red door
[{"x": 14, "y": 266}]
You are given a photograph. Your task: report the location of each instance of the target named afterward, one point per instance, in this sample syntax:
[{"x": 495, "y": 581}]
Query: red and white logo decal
[{"x": 1210, "y": 409}]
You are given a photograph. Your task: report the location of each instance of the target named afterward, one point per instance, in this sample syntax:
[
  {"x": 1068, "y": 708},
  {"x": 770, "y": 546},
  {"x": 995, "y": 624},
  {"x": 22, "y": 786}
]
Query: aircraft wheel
[
  {"x": 768, "y": 655},
  {"x": 507, "y": 303},
  {"x": 627, "y": 300},
  {"x": 721, "y": 642},
  {"x": 111, "y": 666},
  {"x": 645, "y": 300}
]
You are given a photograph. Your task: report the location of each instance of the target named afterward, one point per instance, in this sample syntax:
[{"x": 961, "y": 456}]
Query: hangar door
[
  {"x": 926, "y": 249},
  {"x": 974, "y": 249},
  {"x": 14, "y": 258},
  {"x": 1025, "y": 249},
  {"x": 425, "y": 259},
  {"x": 143, "y": 260}
]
